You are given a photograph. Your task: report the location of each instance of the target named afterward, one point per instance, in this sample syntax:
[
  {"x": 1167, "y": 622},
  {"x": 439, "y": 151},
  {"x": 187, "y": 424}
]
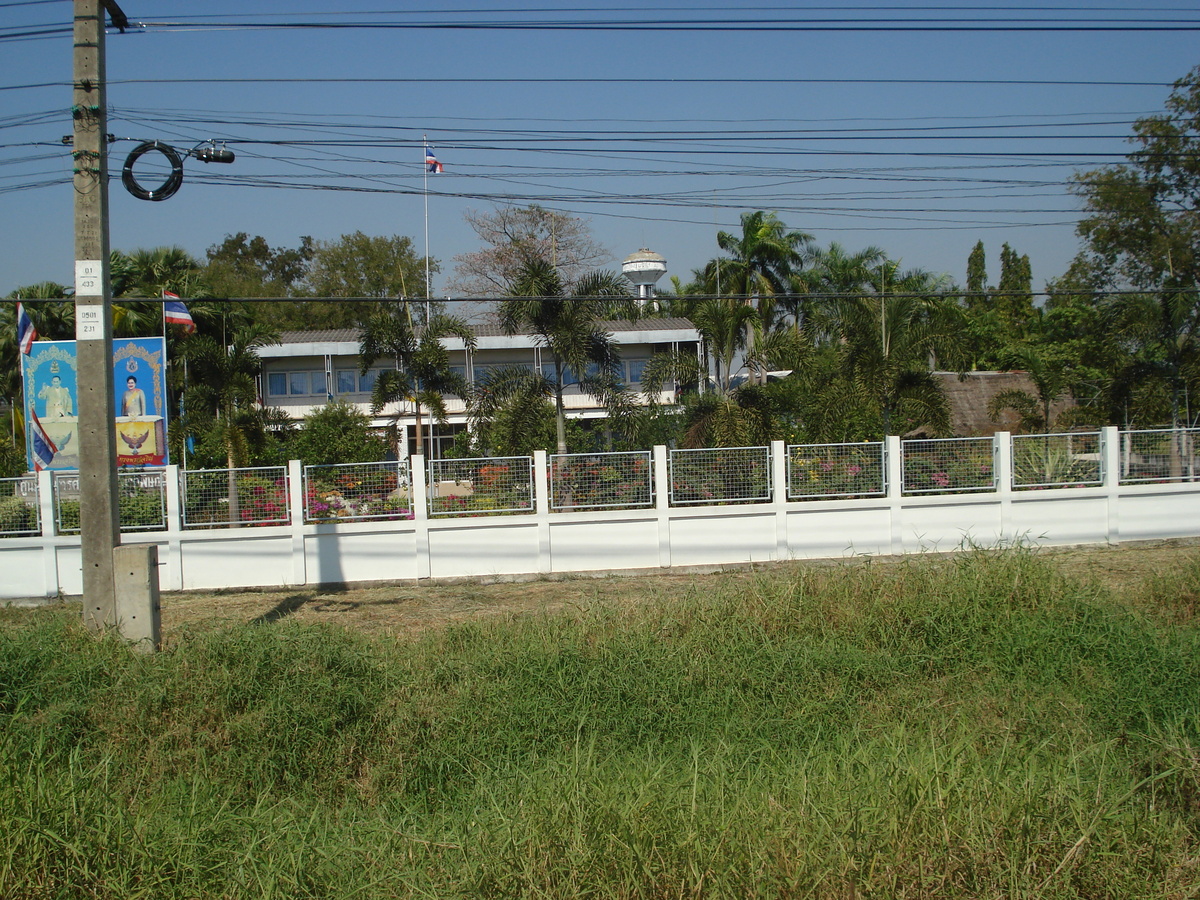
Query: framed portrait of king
[{"x": 51, "y": 381}]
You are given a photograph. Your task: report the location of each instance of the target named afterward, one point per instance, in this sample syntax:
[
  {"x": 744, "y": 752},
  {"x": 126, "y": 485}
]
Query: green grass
[{"x": 967, "y": 727}]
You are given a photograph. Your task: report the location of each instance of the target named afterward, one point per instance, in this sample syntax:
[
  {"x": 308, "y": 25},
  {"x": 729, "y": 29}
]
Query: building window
[
  {"x": 296, "y": 384},
  {"x": 484, "y": 372}
]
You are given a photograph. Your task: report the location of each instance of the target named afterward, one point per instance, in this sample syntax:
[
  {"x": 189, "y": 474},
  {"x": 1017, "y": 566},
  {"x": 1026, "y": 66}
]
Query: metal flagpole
[{"x": 425, "y": 169}]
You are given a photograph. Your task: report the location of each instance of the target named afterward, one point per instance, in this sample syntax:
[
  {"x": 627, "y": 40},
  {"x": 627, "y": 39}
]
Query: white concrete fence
[{"x": 750, "y": 505}]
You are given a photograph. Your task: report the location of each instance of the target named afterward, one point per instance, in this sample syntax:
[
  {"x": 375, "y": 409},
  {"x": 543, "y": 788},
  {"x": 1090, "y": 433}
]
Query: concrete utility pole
[
  {"x": 120, "y": 584},
  {"x": 98, "y": 513}
]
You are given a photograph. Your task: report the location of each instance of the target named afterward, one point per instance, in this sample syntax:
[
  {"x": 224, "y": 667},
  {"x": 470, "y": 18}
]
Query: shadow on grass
[{"x": 284, "y": 608}]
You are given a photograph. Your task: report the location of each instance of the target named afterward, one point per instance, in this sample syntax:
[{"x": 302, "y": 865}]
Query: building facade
[{"x": 308, "y": 369}]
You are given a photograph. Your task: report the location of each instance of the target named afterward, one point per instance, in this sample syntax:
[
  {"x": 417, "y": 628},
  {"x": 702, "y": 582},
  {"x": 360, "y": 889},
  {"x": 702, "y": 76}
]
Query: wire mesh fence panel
[
  {"x": 213, "y": 498},
  {"x": 1057, "y": 460},
  {"x": 20, "y": 512},
  {"x": 1160, "y": 454},
  {"x": 473, "y": 487},
  {"x": 354, "y": 492},
  {"x": 66, "y": 501},
  {"x": 948, "y": 465},
  {"x": 720, "y": 475},
  {"x": 142, "y": 499},
  {"x": 836, "y": 470},
  {"x": 601, "y": 480}
]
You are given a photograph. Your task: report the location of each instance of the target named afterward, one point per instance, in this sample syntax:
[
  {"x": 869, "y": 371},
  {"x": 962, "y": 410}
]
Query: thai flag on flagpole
[
  {"x": 431, "y": 163},
  {"x": 176, "y": 313},
  {"x": 26, "y": 333},
  {"x": 43, "y": 447}
]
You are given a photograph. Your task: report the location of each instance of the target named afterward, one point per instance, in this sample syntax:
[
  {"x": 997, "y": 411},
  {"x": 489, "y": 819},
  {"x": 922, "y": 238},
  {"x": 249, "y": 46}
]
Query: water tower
[{"x": 643, "y": 269}]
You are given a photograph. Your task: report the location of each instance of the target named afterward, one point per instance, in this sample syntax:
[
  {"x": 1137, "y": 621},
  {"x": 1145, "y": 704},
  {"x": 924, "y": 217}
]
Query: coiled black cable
[{"x": 168, "y": 187}]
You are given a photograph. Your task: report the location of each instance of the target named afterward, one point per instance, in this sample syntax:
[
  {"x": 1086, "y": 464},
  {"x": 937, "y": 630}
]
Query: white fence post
[
  {"x": 1110, "y": 472},
  {"x": 295, "y": 469},
  {"x": 45, "y": 491},
  {"x": 895, "y": 490},
  {"x": 1003, "y": 460},
  {"x": 662, "y": 504},
  {"x": 174, "y": 560},
  {"x": 420, "y": 511},
  {"x": 541, "y": 505},
  {"x": 779, "y": 497}
]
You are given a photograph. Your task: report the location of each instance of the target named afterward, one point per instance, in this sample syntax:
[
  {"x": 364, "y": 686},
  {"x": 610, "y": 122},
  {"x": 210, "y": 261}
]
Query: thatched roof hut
[{"x": 969, "y": 397}]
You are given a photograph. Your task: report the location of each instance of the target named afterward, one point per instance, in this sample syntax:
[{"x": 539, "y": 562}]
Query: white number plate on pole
[{"x": 89, "y": 323}]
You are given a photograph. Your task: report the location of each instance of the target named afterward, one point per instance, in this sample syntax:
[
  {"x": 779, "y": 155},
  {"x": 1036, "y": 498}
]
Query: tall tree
[
  {"x": 361, "y": 266},
  {"x": 1015, "y": 294},
  {"x": 513, "y": 234},
  {"x": 760, "y": 264},
  {"x": 146, "y": 273},
  {"x": 976, "y": 274},
  {"x": 421, "y": 374},
  {"x": 568, "y": 328},
  {"x": 831, "y": 273},
  {"x": 1142, "y": 229},
  {"x": 886, "y": 341},
  {"x": 244, "y": 266}
]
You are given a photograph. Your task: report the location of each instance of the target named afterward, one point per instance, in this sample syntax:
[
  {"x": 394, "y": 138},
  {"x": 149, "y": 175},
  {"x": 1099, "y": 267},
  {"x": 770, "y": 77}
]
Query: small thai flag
[
  {"x": 176, "y": 313},
  {"x": 43, "y": 447},
  {"x": 26, "y": 333},
  {"x": 431, "y": 163}
]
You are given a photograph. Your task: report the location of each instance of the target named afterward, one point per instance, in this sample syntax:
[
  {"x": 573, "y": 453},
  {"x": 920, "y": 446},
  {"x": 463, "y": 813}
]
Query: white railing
[
  {"x": 948, "y": 465},
  {"x": 216, "y": 498},
  {"x": 20, "y": 511},
  {"x": 141, "y": 500},
  {"x": 601, "y": 512},
  {"x": 720, "y": 475},
  {"x": 817, "y": 471},
  {"x": 474, "y": 487},
  {"x": 357, "y": 492},
  {"x": 1057, "y": 460},
  {"x": 1160, "y": 455},
  {"x": 580, "y": 481}
]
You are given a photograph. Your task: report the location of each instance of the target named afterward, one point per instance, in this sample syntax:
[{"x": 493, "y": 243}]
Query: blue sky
[{"x": 921, "y": 142}]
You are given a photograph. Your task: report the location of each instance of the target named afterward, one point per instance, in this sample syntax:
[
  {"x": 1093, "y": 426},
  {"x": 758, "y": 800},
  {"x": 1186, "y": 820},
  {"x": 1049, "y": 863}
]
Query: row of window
[{"x": 315, "y": 383}]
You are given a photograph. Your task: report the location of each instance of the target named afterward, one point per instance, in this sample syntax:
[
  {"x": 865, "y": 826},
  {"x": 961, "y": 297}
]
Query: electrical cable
[{"x": 169, "y": 186}]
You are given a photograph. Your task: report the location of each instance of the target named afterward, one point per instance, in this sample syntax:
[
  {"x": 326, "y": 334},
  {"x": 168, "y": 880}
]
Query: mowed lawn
[{"x": 986, "y": 724}]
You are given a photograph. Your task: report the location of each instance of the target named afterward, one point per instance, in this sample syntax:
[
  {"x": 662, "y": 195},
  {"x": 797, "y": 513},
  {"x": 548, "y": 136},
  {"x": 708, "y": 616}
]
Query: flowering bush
[
  {"x": 474, "y": 486},
  {"x": 835, "y": 470},
  {"x": 350, "y": 503},
  {"x": 728, "y": 475},
  {"x": 601, "y": 481},
  {"x": 948, "y": 466},
  {"x": 17, "y": 516},
  {"x": 261, "y": 499}
]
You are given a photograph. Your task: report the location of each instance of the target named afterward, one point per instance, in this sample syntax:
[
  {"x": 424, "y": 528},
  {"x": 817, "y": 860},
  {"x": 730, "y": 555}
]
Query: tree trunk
[{"x": 235, "y": 512}]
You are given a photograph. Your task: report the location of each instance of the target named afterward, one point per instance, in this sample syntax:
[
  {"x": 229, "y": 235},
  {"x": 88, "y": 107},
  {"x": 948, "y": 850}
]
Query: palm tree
[
  {"x": 886, "y": 340},
  {"x": 761, "y": 259},
  {"x": 421, "y": 373},
  {"x": 568, "y": 328},
  {"x": 829, "y": 272},
  {"x": 146, "y": 274},
  {"x": 223, "y": 390},
  {"x": 761, "y": 263}
]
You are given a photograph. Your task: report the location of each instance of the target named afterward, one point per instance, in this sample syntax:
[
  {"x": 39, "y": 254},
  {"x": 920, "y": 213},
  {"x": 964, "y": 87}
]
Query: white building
[{"x": 308, "y": 369}]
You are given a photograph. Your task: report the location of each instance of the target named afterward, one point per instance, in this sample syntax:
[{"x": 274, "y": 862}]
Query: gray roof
[{"x": 352, "y": 335}]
